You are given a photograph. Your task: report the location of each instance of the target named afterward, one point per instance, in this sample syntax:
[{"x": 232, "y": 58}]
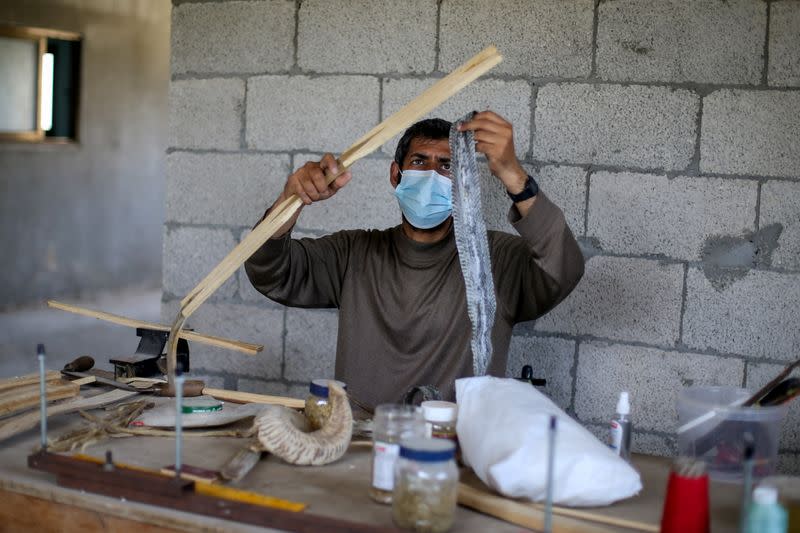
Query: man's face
[{"x": 428, "y": 154}]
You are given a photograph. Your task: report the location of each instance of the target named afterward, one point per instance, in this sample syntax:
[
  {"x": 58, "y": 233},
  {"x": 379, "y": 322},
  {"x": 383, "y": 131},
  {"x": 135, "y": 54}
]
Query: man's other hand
[
  {"x": 310, "y": 181},
  {"x": 494, "y": 137}
]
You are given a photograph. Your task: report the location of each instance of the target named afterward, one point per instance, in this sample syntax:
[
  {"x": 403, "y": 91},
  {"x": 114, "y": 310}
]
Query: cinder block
[
  {"x": 551, "y": 359},
  {"x": 510, "y": 99},
  {"x": 229, "y": 189},
  {"x": 538, "y": 38},
  {"x": 622, "y": 298},
  {"x": 641, "y": 441},
  {"x": 789, "y": 464},
  {"x": 190, "y": 254},
  {"x": 758, "y": 375},
  {"x": 366, "y": 202},
  {"x": 245, "y": 323},
  {"x": 718, "y": 41},
  {"x": 318, "y": 114},
  {"x": 194, "y": 105},
  {"x": 273, "y": 388},
  {"x": 784, "y": 43},
  {"x": 780, "y": 204},
  {"x": 753, "y": 133},
  {"x": 646, "y": 214},
  {"x": 756, "y": 315},
  {"x": 310, "y": 344},
  {"x": 367, "y": 37},
  {"x": 238, "y": 322},
  {"x": 566, "y": 187},
  {"x": 639, "y": 126},
  {"x": 652, "y": 377},
  {"x": 233, "y": 36}
]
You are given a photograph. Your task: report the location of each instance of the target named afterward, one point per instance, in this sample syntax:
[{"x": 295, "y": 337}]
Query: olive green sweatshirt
[{"x": 402, "y": 304}]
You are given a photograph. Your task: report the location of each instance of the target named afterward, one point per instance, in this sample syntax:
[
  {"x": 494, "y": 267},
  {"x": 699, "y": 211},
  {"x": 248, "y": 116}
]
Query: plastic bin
[{"x": 712, "y": 429}]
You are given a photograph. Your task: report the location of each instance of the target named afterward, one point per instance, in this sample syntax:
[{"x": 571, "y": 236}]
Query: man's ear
[{"x": 394, "y": 174}]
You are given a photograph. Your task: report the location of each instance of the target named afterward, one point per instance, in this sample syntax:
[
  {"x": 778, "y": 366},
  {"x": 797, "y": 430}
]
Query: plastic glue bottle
[
  {"x": 765, "y": 514},
  {"x": 620, "y": 431}
]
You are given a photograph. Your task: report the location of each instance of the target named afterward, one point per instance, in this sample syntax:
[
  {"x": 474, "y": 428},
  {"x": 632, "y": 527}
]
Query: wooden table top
[{"x": 338, "y": 490}]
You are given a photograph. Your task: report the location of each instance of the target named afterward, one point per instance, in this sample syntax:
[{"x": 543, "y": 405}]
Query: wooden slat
[
  {"x": 244, "y": 347},
  {"x": 29, "y": 420},
  {"x": 519, "y": 513},
  {"x": 249, "y": 397},
  {"x": 28, "y": 379},
  {"x": 21, "y": 398}
]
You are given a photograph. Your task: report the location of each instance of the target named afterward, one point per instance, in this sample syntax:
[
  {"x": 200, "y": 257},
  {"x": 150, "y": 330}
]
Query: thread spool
[{"x": 686, "y": 507}]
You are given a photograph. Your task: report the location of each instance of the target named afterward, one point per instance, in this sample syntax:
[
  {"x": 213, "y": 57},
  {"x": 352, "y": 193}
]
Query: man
[{"x": 400, "y": 293}]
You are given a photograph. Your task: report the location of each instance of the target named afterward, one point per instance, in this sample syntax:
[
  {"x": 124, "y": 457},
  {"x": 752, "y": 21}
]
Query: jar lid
[
  {"x": 200, "y": 404},
  {"x": 438, "y": 411},
  {"x": 319, "y": 387},
  {"x": 428, "y": 450}
]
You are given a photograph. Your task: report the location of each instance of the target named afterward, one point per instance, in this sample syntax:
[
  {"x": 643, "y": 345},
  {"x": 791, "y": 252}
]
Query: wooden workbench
[{"x": 31, "y": 501}]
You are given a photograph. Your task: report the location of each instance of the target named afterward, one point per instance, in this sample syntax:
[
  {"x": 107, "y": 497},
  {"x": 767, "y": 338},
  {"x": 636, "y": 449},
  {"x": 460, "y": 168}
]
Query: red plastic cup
[{"x": 686, "y": 505}]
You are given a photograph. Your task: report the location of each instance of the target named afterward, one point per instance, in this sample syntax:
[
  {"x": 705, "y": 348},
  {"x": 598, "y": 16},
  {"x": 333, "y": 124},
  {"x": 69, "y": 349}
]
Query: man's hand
[
  {"x": 494, "y": 137},
  {"x": 310, "y": 184},
  {"x": 310, "y": 181}
]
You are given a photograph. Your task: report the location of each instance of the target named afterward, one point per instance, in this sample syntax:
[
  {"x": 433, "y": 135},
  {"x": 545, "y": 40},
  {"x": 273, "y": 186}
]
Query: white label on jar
[
  {"x": 428, "y": 429},
  {"x": 615, "y": 440},
  {"x": 384, "y": 457}
]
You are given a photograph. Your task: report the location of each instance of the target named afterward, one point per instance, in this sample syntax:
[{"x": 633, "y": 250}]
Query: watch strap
[{"x": 530, "y": 190}]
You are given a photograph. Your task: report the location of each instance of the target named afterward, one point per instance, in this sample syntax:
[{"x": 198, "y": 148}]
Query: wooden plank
[
  {"x": 21, "y": 398},
  {"x": 249, "y": 397},
  {"x": 519, "y": 513},
  {"x": 26, "y": 421},
  {"x": 28, "y": 379},
  {"x": 244, "y": 347}
]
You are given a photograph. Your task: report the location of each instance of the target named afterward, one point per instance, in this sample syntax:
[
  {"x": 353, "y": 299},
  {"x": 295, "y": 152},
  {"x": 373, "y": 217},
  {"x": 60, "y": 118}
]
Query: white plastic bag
[{"x": 503, "y": 429}]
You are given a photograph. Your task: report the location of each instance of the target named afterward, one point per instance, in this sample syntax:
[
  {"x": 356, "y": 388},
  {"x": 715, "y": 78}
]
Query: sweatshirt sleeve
[
  {"x": 301, "y": 272},
  {"x": 538, "y": 269}
]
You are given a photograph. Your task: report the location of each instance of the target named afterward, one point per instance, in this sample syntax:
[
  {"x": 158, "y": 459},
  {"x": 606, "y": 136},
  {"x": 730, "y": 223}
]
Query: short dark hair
[{"x": 430, "y": 128}]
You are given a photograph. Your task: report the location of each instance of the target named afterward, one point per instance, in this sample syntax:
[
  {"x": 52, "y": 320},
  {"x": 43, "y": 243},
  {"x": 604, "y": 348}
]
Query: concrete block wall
[{"x": 668, "y": 131}]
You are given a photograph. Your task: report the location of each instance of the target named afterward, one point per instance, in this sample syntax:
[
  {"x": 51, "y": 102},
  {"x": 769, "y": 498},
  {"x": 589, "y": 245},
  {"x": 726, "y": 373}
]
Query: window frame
[{"x": 40, "y": 36}]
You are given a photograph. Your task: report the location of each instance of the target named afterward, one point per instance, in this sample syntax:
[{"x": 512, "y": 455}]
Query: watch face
[{"x": 530, "y": 190}]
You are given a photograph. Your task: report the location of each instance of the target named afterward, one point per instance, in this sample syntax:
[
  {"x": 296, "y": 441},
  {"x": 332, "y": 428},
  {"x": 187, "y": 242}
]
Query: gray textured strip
[{"x": 472, "y": 244}]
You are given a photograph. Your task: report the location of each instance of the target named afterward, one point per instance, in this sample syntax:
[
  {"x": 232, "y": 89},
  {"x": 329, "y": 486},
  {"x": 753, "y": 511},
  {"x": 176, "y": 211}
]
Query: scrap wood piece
[
  {"x": 23, "y": 422},
  {"x": 236, "y": 396},
  {"x": 371, "y": 141},
  {"x": 22, "y": 398},
  {"x": 28, "y": 379},
  {"x": 221, "y": 342}
]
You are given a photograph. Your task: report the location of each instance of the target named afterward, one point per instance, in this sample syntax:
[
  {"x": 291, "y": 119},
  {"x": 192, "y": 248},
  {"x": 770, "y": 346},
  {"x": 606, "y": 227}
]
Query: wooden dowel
[
  {"x": 520, "y": 514},
  {"x": 244, "y": 347}
]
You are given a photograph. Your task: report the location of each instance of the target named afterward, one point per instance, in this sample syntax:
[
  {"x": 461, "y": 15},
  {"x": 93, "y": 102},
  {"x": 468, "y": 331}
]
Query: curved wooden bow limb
[{"x": 283, "y": 212}]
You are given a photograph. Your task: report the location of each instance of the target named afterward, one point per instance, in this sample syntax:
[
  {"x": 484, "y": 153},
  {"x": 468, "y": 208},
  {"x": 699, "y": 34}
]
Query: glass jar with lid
[
  {"x": 317, "y": 409},
  {"x": 426, "y": 485},
  {"x": 440, "y": 419},
  {"x": 391, "y": 424}
]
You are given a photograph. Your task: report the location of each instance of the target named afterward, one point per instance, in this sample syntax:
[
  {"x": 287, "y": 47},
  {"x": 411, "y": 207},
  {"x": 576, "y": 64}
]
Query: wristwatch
[{"x": 530, "y": 190}]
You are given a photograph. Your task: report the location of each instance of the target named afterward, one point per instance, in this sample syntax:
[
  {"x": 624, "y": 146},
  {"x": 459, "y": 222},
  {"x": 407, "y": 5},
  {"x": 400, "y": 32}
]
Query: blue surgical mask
[{"x": 425, "y": 197}]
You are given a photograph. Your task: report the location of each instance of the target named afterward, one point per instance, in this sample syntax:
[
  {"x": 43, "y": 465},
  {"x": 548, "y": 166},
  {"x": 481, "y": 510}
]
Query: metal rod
[
  {"x": 42, "y": 394},
  {"x": 551, "y": 460},
  {"x": 179, "y": 379},
  {"x": 747, "y": 486}
]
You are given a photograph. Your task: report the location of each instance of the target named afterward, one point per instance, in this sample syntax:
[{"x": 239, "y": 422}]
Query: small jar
[
  {"x": 426, "y": 485},
  {"x": 317, "y": 409},
  {"x": 391, "y": 424},
  {"x": 440, "y": 419}
]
